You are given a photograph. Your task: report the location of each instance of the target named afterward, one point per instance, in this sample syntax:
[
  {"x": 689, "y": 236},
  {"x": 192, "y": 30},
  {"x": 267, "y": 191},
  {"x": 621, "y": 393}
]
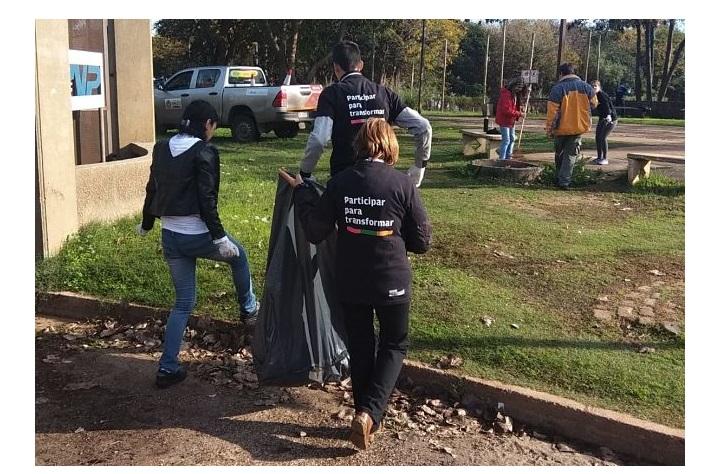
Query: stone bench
[
  {"x": 639, "y": 164},
  {"x": 478, "y": 142}
]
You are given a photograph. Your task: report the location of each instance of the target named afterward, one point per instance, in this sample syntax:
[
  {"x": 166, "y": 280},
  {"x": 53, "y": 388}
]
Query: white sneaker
[{"x": 602, "y": 162}]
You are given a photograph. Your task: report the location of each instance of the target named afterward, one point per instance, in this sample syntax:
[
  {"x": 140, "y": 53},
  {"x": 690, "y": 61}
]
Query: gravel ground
[{"x": 96, "y": 405}]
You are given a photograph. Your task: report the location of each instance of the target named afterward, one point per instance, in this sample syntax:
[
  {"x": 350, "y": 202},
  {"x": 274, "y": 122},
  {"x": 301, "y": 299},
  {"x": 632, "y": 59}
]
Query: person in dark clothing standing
[
  {"x": 183, "y": 192},
  {"x": 607, "y": 121},
  {"x": 346, "y": 105},
  {"x": 379, "y": 218}
]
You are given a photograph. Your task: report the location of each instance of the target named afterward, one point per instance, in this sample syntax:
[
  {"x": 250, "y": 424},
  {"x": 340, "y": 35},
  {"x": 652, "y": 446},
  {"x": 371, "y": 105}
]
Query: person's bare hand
[{"x": 294, "y": 182}]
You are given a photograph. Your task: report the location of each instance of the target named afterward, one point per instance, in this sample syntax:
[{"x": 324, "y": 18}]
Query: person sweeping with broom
[{"x": 508, "y": 112}]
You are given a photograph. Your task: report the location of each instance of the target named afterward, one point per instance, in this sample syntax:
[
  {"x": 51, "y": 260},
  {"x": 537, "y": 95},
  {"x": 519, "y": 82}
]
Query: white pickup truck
[{"x": 242, "y": 98}]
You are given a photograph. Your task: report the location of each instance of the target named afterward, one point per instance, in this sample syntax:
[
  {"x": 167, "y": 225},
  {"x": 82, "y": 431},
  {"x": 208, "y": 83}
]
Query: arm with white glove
[
  {"x": 226, "y": 247},
  {"x": 421, "y": 130},
  {"x": 319, "y": 137},
  {"x": 609, "y": 118}
]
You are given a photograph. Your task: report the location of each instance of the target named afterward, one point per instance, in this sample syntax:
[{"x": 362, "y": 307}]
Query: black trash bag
[{"x": 300, "y": 335}]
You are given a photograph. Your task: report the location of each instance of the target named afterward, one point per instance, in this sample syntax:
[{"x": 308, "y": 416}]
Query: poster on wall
[{"x": 87, "y": 84}]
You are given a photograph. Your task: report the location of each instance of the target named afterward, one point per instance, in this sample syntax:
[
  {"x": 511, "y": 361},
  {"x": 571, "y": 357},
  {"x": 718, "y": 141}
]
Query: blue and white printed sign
[{"x": 87, "y": 84}]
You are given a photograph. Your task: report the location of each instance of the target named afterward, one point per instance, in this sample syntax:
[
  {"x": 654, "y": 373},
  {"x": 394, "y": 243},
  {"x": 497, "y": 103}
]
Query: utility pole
[
  {"x": 442, "y": 102},
  {"x": 597, "y": 76},
  {"x": 587, "y": 56},
  {"x": 502, "y": 62},
  {"x": 372, "y": 68},
  {"x": 412, "y": 77},
  {"x": 527, "y": 100},
  {"x": 487, "y": 53},
  {"x": 486, "y": 107},
  {"x": 422, "y": 67},
  {"x": 560, "y": 46}
]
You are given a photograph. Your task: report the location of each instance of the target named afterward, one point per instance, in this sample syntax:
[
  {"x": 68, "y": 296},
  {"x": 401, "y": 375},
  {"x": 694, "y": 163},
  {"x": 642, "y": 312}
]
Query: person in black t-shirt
[
  {"x": 346, "y": 105},
  {"x": 379, "y": 218},
  {"x": 607, "y": 121}
]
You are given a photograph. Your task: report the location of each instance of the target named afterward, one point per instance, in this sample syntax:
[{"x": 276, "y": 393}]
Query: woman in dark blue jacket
[{"x": 379, "y": 218}]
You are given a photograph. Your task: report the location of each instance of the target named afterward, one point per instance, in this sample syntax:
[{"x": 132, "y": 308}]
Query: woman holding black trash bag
[
  {"x": 183, "y": 192},
  {"x": 379, "y": 217}
]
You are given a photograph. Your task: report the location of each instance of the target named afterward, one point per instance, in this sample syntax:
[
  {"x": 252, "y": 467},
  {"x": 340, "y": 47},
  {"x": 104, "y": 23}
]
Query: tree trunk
[
  {"x": 666, "y": 63},
  {"x": 638, "y": 52},
  {"x": 676, "y": 59},
  {"x": 312, "y": 72},
  {"x": 648, "y": 62},
  {"x": 276, "y": 54},
  {"x": 294, "y": 45}
]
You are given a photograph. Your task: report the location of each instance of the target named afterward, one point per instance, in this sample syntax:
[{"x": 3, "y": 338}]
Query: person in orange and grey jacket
[
  {"x": 507, "y": 113},
  {"x": 568, "y": 117}
]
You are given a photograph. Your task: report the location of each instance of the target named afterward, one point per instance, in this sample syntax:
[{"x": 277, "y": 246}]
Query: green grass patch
[
  {"x": 526, "y": 255},
  {"x": 659, "y": 184}
]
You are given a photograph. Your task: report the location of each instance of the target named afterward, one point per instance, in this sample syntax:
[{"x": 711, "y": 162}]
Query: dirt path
[
  {"x": 626, "y": 138},
  {"x": 96, "y": 405}
]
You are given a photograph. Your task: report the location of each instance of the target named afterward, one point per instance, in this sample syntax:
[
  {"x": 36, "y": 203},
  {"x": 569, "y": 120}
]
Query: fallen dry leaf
[{"x": 80, "y": 385}]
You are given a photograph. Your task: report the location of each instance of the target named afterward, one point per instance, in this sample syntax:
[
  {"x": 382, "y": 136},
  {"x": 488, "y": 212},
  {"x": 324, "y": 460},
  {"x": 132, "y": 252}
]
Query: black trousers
[{"x": 374, "y": 370}]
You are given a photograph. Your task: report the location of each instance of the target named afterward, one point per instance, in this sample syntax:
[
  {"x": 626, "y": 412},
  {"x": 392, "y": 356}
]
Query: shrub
[{"x": 581, "y": 175}]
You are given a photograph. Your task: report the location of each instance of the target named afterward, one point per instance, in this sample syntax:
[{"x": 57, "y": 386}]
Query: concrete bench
[
  {"x": 639, "y": 164},
  {"x": 478, "y": 142}
]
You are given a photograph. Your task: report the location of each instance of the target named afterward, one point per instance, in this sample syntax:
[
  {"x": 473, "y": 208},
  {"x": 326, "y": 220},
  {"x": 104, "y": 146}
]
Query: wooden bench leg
[
  {"x": 637, "y": 169},
  {"x": 470, "y": 145}
]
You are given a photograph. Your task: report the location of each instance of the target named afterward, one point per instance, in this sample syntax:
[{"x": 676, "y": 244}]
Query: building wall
[
  {"x": 55, "y": 152},
  {"x": 108, "y": 191},
  {"x": 133, "y": 66},
  {"x": 69, "y": 195}
]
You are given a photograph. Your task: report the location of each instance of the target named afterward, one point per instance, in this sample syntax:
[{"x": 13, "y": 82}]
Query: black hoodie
[{"x": 379, "y": 218}]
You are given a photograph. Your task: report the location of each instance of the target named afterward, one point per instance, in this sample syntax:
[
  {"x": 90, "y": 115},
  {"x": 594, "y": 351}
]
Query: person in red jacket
[{"x": 507, "y": 113}]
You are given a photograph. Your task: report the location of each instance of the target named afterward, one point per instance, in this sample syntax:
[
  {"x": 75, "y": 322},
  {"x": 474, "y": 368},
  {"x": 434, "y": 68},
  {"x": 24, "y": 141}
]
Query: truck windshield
[{"x": 245, "y": 76}]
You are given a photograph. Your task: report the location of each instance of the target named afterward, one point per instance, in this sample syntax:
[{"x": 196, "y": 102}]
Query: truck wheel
[
  {"x": 287, "y": 130},
  {"x": 244, "y": 129}
]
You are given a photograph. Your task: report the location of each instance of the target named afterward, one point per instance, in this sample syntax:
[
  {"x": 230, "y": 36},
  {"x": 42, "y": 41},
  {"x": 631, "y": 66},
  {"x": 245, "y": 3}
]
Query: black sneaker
[
  {"x": 165, "y": 379},
  {"x": 249, "y": 320}
]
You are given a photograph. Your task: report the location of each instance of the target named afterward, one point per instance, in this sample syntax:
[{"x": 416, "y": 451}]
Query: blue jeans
[
  {"x": 181, "y": 252},
  {"x": 506, "y": 145}
]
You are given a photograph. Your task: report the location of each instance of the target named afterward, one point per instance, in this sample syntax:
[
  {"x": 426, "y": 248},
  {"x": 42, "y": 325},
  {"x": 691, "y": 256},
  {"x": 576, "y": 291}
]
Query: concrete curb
[
  {"x": 74, "y": 307},
  {"x": 622, "y": 433},
  {"x": 640, "y": 439}
]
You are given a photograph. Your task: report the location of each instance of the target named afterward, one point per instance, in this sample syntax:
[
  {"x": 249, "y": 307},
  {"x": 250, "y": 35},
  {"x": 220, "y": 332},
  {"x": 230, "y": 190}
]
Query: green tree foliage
[{"x": 391, "y": 51}]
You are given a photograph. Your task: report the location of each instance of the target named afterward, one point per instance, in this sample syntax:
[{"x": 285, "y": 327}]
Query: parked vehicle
[{"x": 244, "y": 101}]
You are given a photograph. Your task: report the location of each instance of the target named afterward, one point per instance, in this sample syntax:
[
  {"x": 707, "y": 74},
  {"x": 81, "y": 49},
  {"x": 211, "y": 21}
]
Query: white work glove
[
  {"x": 140, "y": 231},
  {"x": 416, "y": 174},
  {"x": 226, "y": 248},
  {"x": 609, "y": 118}
]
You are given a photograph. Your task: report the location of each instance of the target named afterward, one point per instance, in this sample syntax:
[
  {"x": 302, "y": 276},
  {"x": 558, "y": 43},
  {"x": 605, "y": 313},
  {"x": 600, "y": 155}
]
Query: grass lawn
[{"x": 528, "y": 256}]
